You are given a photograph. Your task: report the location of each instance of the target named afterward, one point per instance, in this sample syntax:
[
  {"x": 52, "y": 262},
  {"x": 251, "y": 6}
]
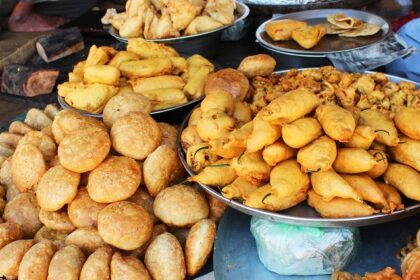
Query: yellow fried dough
[
  {"x": 318, "y": 155},
  {"x": 405, "y": 179},
  {"x": 386, "y": 133},
  {"x": 353, "y": 160},
  {"x": 239, "y": 188},
  {"x": 301, "y": 132},
  {"x": 263, "y": 134},
  {"x": 338, "y": 123},
  {"x": 277, "y": 152},
  {"x": 407, "y": 152},
  {"x": 392, "y": 196},
  {"x": 282, "y": 29},
  {"x": 362, "y": 138},
  {"x": 252, "y": 167},
  {"x": 404, "y": 120},
  {"x": 381, "y": 164},
  {"x": 219, "y": 173}
]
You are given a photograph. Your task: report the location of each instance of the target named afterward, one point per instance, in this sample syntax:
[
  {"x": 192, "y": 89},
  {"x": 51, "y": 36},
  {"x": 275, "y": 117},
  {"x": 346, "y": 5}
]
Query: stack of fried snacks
[
  {"x": 72, "y": 209},
  {"x": 159, "y": 19},
  {"x": 152, "y": 70},
  {"x": 346, "y": 26},
  {"x": 345, "y": 161}
]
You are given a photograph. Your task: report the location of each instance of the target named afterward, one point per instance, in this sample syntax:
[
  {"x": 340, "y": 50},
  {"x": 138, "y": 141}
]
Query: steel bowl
[
  {"x": 302, "y": 214},
  {"x": 204, "y": 43}
]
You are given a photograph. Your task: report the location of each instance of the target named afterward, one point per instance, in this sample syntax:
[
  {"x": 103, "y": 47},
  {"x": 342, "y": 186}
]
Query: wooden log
[
  {"x": 60, "y": 44},
  {"x": 28, "y": 81}
]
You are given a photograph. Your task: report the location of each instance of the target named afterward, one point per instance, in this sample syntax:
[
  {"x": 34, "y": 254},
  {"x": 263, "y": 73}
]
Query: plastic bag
[{"x": 297, "y": 250}]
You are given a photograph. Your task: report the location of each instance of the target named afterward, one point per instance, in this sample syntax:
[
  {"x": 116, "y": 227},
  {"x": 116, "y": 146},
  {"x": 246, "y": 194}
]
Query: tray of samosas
[
  {"x": 146, "y": 75},
  {"x": 319, "y": 32},
  {"x": 315, "y": 147}
]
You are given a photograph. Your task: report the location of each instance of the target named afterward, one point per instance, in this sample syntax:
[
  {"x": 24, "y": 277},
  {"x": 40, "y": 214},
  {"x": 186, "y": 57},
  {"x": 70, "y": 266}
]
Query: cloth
[
  {"x": 371, "y": 57},
  {"x": 408, "y": 67}
]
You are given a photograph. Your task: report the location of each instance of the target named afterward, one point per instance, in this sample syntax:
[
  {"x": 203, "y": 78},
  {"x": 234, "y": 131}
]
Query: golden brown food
[
  {"x": 288, "y": 180},
  {"x": 102, "y": 74},
  {"x": 239, "y": 188},
  {"x": 353, "y": 160},
  {"x": 97, "y": 56},
  {"x": 217, "y": 208},
  {"x": 290, "y": 106},
  {"x": 366, "y": 29},
  {"x": 165, "y": 98},
  {"x": 166, "y": 206},
  {"x": 23, "y": 210},
  {"x": 97, "y": 265},
  {"x": 9, "y": 232},
  {"x": 125, "y": 225},
  {"x": 42, "y": 141},
  {"x": 12, "y": 192},
  {"x": 136, "y": 135},
  {"x": 362, "y": 138},
  {"x": 338, "y": 207},
  {"x": 10, "y": 139},
  {"x": 84, "y": 150},
  {"x": 27, "y": 166},
  {"x": 307, "y": 37},
  {"x": 124, "y": 103},
  {"x": 202, "y": 24},
  {"x": 386, "y": 133},
  {"x": 115, "y": 179},
  {"x": 405, "y": 179},
  {"x": 128, "y": 267},
  {"x": 410, "y": 265},
  {"x": 220, "y": 173},
  {"x": 56, "y": 220},
  {"x": 157, "y": 230},
  {"x": 158, "y": 82},
  {"x": 342, "y": 21},
  {"x": 381, "y": 164},
  {"x": 228, "y": 80},
  {"x": 169, "y": 135},
  {"x": 83, "y": 211},
  {"x": 338, "y": 123},
  {"x": 165, "y": 259},
  {"x": 328, "y": 184},
  {"x": 66, "y": 263},
  {"x": 242, "y": 113},
  {"x": 199, "y": 245},
  {"x": 195, "y": 117},
  {"x": 87, "y": 239},
  {"x": 132, "y": 27},
  {"x": 282, "y": 29},
  {"x": 148, "y": 49},
  {"x": 180, "y": 65},
  {"x": 121, "y": 57},
  {"x": 301, "y": 132},
  {"x": 145, "y": 68},
  {"x": 252, "y": 167},
  {"x": 58, "y": 237},
  {"x": 264, "y": 133},
  {"x": 143, "y": 198},
  {"x": 318, "y": 155},
  {"x": 199, "y": 156},
  {"x": 161, "y": 168},
  {"x": 404, "y": 120},
  {"x": 277, "y": 152},
  {"x": 231, "y": 144},
  {"x": 257, "y": 65},
  {"x": 392, "y": 196},
  {"x": 220, "y": 100},
  {"x": 199, "y": 69},
  {"x": 213, "y": 124},
  {"x": 37, "y": 119},
  {"x": 407, "y": 152},
  {"x": 19, "y": 127},
  {"x": 34, "y": 264},
  {"x": 11, "y": 256},
  {"x": 221, "y": 10}
]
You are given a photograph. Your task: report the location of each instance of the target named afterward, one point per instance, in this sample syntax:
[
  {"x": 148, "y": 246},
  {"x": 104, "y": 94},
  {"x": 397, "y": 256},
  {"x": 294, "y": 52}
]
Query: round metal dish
[
  {"x": 302, "y": 214},
  {"x": 203, "y": 43},
  {"x": 329, "y": 43}
]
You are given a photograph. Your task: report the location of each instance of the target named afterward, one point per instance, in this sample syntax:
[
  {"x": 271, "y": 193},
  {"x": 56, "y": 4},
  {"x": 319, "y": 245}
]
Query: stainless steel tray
[
  {"x": 303, "y": 214},
  {"x": 329, "y": 43}
]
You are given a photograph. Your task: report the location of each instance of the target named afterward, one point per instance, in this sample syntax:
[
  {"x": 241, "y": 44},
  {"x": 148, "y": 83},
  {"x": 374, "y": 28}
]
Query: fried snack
[
  {"x": 157, "y": 230},
  {"x": 169, "y": 135},
  {"x": 277, "y": 152},
  {"x": 264, "y": 133},
  {"x": 87, "y": 239},
  {"x": 229, "y": 80},
  {"x": 381, "y": 164},
  {"x": 196, "y": 81},
  {"x": 12, "y": 192},
  {"x": 34, "y": 264},
  {"x": 407, "y": 152},
  {"x": 410, "y": 265},
  {"x": 338, "y": 207},
  {"x": 329, "y": 185},
  {"x": 252, "y": 167},
  {"x": 179, "y": 64},
  {"x": 190, "y": 137},
  {"x": 83, "y": 211},
  {"x": 165, "y": 259},
  {"x": 307, "y": 37},
  {"x": 280, "y": 30},
  {"x": 66, "y": 263},
  {"x": 202, "y": 24},
  {"x": 199, "y": 245},
  {"x": 42, "y": 141},
  {"x": 102, "y": 74},
  {"x": 145, "y": 200},
  {"x": 301, "y": 132},
  {"x": 57, "y": 220},
  {"x": 24, "y": 210},
  {"x": 58, "y": 237},
  {"x": 404, "y": 121},
  {"x": 198, "y": 156},
  {"x": 121, "y": 57},
  {"x": 366, "y": 29},
  {"x": 57, "y": 188},
  {"x": 290, "y": 106},
  {"x": 392, "y": 196},
  {"x": 6, "y": 150},
  {"x": 9, "y": 232},
  {"x": 89, "y": 97},
  {"x": 132, "y": 27},
  {"x": 342, "y": 21},
  {"x": 37, "y": 119},
  {"x": 161, "y": 169},
  {"x": 405, "y": 179},
  {"x": 166, "y": 206},
  {"x": 386, "y": 133},
  {"x": 124, "y": 103},
  {"x": 165, "y": 98},
  {"x": 27, "y": 166},
  {"x": 155, "y": 83},
  {"x": 148, "y": 49},
  {"x": 97, "y": 265},
  {"x": 213, "y": 124},
  {"x": 220, "y": 173},
  {"x": 182, "y": 12},
  {"x": 115, "y": 179},
  {"x": 257, "y": 65},
  {"x": 220, "y": 10},
  {"x": 128, "y": 267},
  {"x": 242, "y": 113},
  {"x": 19, "y": 127},
  {"x": 10, "y": 139},
  {"x": 353, "y": 160},
  {"x": 220, "y": 100},
  {"x": 318, "y": 156},
  {"x": 231, "y": 144},
  {"x": 145, "y": 68},
  {"x": 338, "y": 123},
  {"x": 287, "y": 179},
  {"x": 125, "y": 225},
  {"x": 195, "y": 117},
  {"x": 362, "y": 137},
  {"x": 367, "y": 190},
  {"x": 97, "y": 56},
  {"x": 136, "y": 135},
  {"x": 11, "y": 256}
]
